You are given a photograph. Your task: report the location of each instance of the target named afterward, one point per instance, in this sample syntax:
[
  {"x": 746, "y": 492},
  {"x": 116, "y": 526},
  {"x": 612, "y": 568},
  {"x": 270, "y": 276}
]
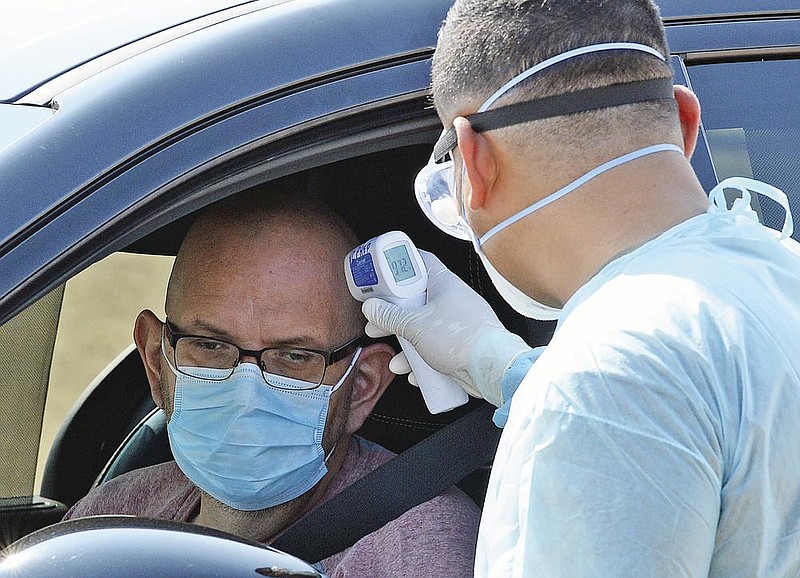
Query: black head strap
[{"x": 559, "y": 105}]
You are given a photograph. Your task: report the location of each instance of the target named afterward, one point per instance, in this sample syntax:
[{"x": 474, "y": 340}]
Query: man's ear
[
  {"x": 479, "y": 162},
  {"x": 147, "y": 335},
  {"x": 689, "y": 115},
  {"x": 370, "y": 381}
]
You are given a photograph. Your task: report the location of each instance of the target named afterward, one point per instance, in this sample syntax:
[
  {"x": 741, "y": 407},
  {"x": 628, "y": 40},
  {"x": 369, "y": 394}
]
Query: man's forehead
[
  {"x": 256, "y": 332},
  {"x": 255, "y": 316},
  {"x": 282, "y": 285}
]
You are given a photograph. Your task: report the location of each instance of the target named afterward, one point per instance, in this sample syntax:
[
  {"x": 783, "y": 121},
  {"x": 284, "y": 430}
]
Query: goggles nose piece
[{"x": 445, "y": 211}]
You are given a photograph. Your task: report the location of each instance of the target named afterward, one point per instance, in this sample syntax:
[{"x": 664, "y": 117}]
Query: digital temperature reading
[{"x": 400, "y": 263}]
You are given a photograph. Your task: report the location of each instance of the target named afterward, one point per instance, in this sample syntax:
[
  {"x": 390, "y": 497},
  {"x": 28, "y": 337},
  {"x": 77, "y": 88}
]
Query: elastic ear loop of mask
[
  {"x": 580, "y": 181},
  {"x": 744, "y": 185},
  {"x": 164, "y": 351},
  {"x": 347, "y": 373},
  {"x": 337, "y": 386},
  {"x": 603, "y": 47}
]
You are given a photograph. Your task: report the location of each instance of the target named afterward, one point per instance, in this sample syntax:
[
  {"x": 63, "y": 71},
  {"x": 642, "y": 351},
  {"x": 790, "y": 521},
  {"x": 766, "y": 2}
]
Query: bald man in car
[{"x": 262, "y": 371}]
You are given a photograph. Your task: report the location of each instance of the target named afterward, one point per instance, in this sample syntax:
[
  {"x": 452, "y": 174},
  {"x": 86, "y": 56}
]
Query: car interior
[{"x": 116, "y": 426}]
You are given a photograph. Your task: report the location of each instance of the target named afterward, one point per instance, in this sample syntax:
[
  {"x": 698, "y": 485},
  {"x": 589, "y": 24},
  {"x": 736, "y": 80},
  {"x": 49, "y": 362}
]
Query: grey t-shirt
[{"x": 436, "y": 538}]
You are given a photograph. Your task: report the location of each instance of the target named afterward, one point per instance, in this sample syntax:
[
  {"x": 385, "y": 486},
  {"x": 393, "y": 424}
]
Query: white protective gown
[{"x": 659, "y": 433}]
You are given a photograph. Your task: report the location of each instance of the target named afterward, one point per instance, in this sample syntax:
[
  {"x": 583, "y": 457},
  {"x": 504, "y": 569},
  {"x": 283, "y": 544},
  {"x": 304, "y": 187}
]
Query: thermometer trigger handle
[{"x": 440, "y": 392}]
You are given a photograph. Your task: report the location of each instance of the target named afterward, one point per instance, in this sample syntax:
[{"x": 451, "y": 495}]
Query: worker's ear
[
  {"x": 147, "y": 336},
  {"x": 371, "y": 378},
  {"x": 689, "y": 115},
  {"x": 479, "y": 162}
]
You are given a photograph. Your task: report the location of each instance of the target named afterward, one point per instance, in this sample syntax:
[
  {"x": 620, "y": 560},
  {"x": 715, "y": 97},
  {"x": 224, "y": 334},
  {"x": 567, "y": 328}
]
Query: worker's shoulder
[{"x": 692, "y": 273}]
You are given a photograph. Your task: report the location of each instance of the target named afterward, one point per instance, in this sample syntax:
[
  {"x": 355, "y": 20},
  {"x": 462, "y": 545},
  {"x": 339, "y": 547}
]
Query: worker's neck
[{"x": 553, "y": 252}]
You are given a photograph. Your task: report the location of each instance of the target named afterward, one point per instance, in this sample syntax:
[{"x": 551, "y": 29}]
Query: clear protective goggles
[{"x": 435, "y": 185}]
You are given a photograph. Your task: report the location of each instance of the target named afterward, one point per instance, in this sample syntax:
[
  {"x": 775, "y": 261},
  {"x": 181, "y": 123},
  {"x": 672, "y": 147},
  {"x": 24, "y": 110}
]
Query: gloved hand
[{"x": 456, "y": 332}]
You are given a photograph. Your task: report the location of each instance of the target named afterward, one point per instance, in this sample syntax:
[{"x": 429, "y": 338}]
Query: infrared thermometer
[{"x": 390, "y": 267}]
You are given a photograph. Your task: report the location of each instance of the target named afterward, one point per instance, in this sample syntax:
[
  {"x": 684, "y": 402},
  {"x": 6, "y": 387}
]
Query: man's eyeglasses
[{"x": 290, "y": 368}]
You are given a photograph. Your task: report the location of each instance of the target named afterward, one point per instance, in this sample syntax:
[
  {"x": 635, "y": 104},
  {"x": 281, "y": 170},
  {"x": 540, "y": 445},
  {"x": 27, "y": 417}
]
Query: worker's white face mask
[
  {"x": 520, "y": 302},
  {"x": 435, "y": 185}
]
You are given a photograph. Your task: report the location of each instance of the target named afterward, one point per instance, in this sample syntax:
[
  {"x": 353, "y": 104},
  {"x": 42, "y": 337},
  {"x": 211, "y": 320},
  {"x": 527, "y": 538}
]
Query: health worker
[{"x": 657, "y": 433}]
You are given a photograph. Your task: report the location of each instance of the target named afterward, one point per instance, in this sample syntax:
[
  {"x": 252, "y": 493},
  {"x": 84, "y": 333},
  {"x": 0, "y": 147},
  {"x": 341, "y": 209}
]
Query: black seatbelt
[{"x": 415, "y": 476}]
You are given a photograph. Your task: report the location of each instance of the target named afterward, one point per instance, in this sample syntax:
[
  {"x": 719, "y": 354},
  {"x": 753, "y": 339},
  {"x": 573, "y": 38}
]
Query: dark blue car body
[{"x": 115, "y": 150}]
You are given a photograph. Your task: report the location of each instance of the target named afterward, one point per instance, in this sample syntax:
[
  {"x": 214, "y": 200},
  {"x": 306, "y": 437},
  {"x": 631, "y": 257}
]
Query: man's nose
[{"x": 249, "y": 358}]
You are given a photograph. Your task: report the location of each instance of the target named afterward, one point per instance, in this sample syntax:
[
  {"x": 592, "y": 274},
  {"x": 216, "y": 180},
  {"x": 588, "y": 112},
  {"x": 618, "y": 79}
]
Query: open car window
[
  {"x": 367, "y": 178},
  {"x": 95, "y": 325}
]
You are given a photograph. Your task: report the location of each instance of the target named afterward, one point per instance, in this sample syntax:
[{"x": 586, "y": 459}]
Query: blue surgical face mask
[{"x": 249, "y": 445}]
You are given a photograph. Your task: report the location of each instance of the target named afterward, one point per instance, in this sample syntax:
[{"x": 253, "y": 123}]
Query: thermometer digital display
[
  {"x": 400, "y": 263},
  {"x": 390, "y": 267}
]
